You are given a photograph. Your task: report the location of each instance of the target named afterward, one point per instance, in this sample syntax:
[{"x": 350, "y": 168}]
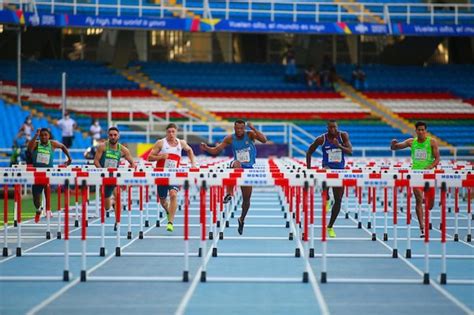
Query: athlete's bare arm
[
  {"x": 98, "y": 154},
  {"x": 218, "y": 148},
  {"x": 436, "y": 155},
  {"x": 395, "y": 145},
  {"x": 127, "y": 155},
  {"x": 58, "y": 145},
  {"x": 316, "y": 143},
  {"x": 190, "y": 152},
  {"x": 155, "y": 154},
  {"x": 255, "y": 134}
]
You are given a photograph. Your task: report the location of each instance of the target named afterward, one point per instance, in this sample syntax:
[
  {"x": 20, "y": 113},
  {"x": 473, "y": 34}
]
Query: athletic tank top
[
  {"x": 244, "y": 150},
  {"x": 421, "y": 154},
  {"x": 333, "y": 157},
  {"x": 43, "y": 155},
  {"x": 111, "y": 158},
  {"x": 174, "y": 155}
]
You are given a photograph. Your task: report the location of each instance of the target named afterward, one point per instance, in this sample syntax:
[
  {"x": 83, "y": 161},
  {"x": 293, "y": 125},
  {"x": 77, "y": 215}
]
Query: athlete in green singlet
[{"x": 424, "y": 156}]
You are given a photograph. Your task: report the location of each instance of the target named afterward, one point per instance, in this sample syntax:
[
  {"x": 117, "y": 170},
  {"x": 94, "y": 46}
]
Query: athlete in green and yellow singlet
[
  {"x": 424, "y": 156},
  {"x": 108, "y": 155},
  {"x": 42, "y": 152}
]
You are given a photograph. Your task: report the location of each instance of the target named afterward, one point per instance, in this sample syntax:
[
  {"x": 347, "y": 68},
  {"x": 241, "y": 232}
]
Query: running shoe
[
  {"x": 169, "y": 227},
  {"x": 227, "y": 198},
  {"x": 37, "y": 216},
  {"x": 240, "y": 229},
  {"x": 331, "y": 232}
]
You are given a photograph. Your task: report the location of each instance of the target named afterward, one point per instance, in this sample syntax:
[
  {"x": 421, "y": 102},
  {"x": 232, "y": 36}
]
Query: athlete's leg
[
  {"x": 419, "y": 206},
  {"x": 337, "y": 192}
]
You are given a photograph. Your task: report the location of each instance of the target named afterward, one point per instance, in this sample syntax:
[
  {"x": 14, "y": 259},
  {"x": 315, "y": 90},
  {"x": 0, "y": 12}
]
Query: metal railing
[{"x": 297, "y": 11}]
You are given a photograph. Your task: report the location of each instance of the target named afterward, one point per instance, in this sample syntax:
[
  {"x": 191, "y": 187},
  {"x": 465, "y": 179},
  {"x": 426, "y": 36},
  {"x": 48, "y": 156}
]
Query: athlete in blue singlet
[
  {"x": 335, "y": 145},
  {"x": 244, "y": 151}
]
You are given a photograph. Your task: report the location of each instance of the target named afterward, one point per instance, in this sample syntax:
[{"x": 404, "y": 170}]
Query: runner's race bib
[
  {"x": 335, "y": 156},
  {"x": 109, "y": 163},
  {"x": 171, "y": 164},
  {"x": 420, "y": 154},
  {"x": 43, "y": 158},
  {"x": 243, "y": 155}
]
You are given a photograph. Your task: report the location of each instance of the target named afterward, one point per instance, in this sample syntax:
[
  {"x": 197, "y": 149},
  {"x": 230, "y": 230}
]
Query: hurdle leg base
[
  {"x": 426, "y": 278},
  {"x": 161, "y": 215},
  {"x": 5, "y": 252},
  {"x": 469, "y": 238},
  {"x": 18, "y": 251},
  {"x": 302, "y": 236},
  {"x": 218, "y": 224},
  {"x": 408, "y": 253},
  {"x": 356, "y": 216},
  {"x": 232, "y": 215},
  {"x": 294, "y": 215},
  {"x": 211, "y": 235},
  {"x": 285, "y": 215},
  {"x": 200, "y": 252},
  {"x": 214, "y": 252},
  {"x": 227, "y": 224},
  {"x": 140, "y": 235},
  {"x": 129, "y": 235},
  {"x": 102, "y": 252},
  {"x": 443, "y": 278},
  {"x": 324, "y": 278},
  {"x": 107, "y": 214},
  {"x": 385, "y": 237},
  {"x": 221, "y": 235},
  {"x": 347, "y": 215},
  {"x": 118, "y": 251},
  {"x": 147, "y": 224},
  {"x": 87, "y": 223},
  {"x": 431, "y": 226},
  {"x": 203, "y": 276},
  {"x": 297, "y": 252},
  {"x": 58, "y": 235},
  {"x": 359, "y": 225},
  {"x": 48, "y": 235},
  {"x": 305, "y": 277},
  {"x": 290, "y": 236},
  {"x": 395, "y": 253},
  {"x": 456, "y": 237},
  {"x": 369, "y": 225},
  {"x": 83, "y": 276},
  {"x": 287, "y": 225},
  {"x": 374, "y": 237},
  {"x": 76, "y": 223},
  {"x": 223, "y": 215},
  {"x": 157, "y": 223},
  {"x": 185, "y": 276},
  {"x": 311, "y": 252},
  {"x": 15, "y": 223},
  {"x": 282, "y": 207},
  {"x": 66, "y": 275}
]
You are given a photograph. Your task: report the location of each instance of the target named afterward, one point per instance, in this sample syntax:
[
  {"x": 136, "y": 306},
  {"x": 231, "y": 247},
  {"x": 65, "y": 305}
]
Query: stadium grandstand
[{"x": 288, "y": 70}]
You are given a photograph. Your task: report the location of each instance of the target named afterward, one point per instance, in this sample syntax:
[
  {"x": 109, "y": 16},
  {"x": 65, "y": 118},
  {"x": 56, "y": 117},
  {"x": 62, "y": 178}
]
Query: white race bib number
[
  {"x": 42, "y": 158},
  {"x": 335, "y": 155},
  {"x": 243, "y": 155},
  {"x": 420, "y": 154},
  {"x": 171, "y": 164},
  {"x": 109, "y": 163}
]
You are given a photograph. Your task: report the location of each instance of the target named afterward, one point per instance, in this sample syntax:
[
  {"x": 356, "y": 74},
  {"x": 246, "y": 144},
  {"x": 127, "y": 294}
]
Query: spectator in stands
[
  {"x": 108, "y": 155},
  {"x": 424, "y": 156},
  {"x": 327, "y": 73},
  {"x": 358, "y": 78},
  {"x": 335, "y": 145},
  {"x": 22, "y": 138},
  {"x": 167, "y": 154},
  {"x": 26, "y": 129},
  {"x": 312, "y": 78},
  {"x": 95, "y": 131},
  {"x": 67, "y": 125},
  {"x": 42, "y": 152},
  {"x": 245, "y": 153},
  {"x": 290, "y": 61}
]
